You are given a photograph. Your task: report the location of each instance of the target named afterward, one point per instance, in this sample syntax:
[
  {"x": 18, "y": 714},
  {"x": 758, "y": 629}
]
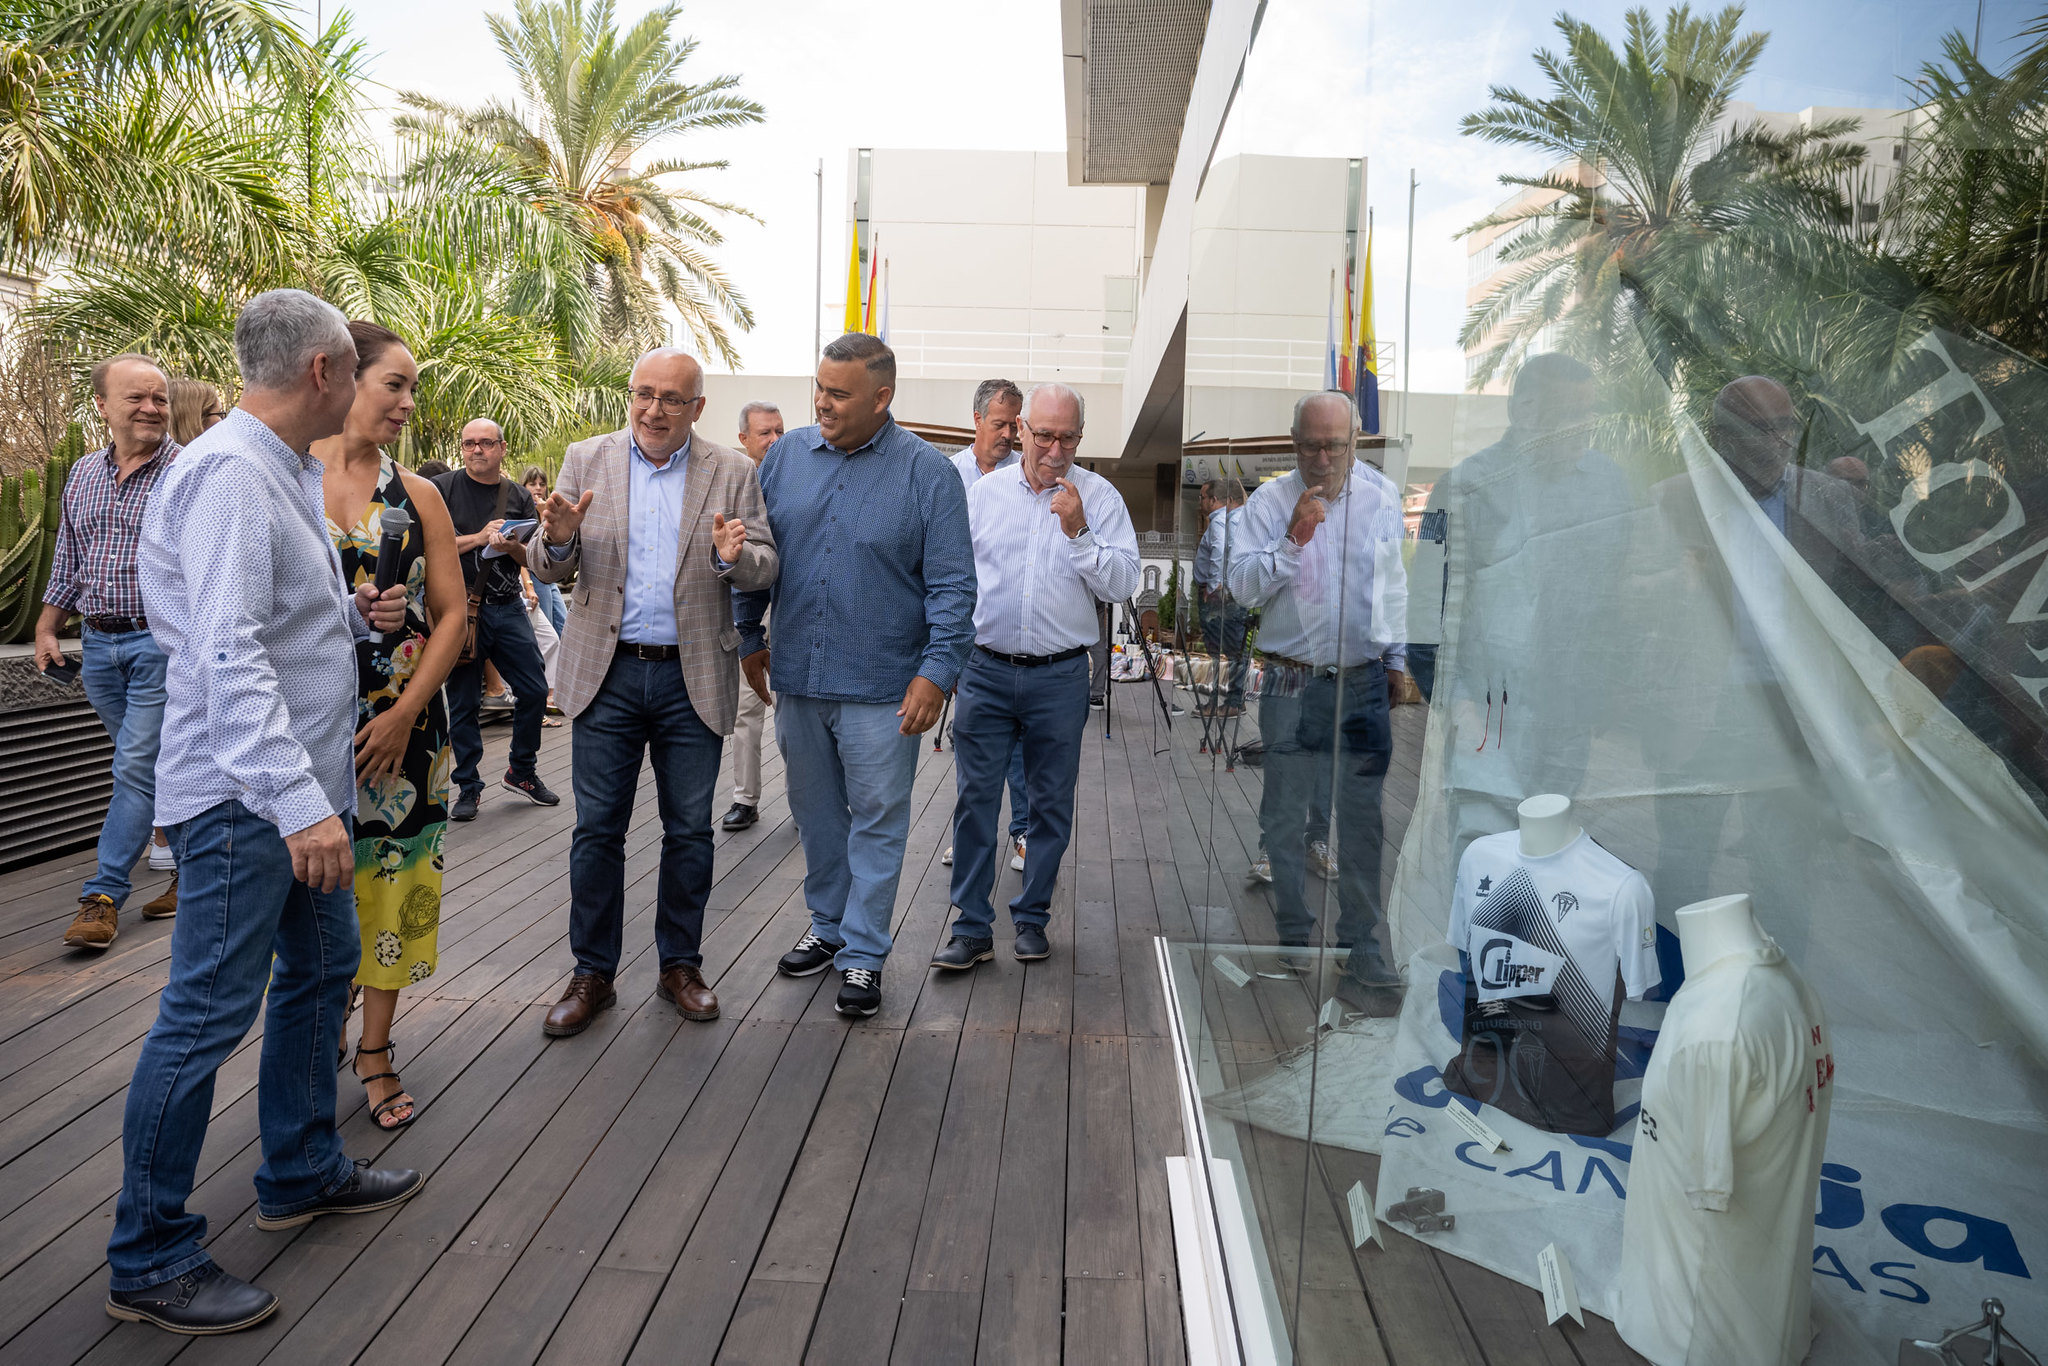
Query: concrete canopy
[{"x": 1129, "y": 67}]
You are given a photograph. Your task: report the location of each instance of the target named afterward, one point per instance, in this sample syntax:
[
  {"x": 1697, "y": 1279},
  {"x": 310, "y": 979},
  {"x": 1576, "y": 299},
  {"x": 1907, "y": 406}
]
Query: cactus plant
[{"x": 30, "y": 509}]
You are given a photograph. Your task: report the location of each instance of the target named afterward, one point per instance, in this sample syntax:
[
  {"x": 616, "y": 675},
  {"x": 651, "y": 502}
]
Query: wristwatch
[{"x": 1079, "y": 534}]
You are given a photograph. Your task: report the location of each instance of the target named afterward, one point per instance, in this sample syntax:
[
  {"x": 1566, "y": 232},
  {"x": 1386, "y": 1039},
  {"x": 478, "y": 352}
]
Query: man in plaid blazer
[{"x": 648, "y": 664}]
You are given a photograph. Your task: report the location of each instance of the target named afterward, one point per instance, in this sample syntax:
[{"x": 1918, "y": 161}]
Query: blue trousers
[
  {"x": 1000, "y": 708},
  {"x": 849, "y": 773},
  {"x": 1330, "y": 742},
  {"x": 248, "y": 936},
  {"x": 642, "y": 708},
  {"x": 504, "y": 637},
  {"x": 124, "y": 680}
]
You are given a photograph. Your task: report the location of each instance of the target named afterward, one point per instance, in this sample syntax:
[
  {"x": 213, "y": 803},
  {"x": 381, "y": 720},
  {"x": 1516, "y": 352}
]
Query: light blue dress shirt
[
  {"x": 245, "y": 595},
  {"x": 656, "y": 525},
  {"x": 1343, "y": 598}
]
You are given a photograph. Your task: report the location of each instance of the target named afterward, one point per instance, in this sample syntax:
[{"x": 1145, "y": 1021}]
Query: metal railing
[{"x": 1073, "y": 357}]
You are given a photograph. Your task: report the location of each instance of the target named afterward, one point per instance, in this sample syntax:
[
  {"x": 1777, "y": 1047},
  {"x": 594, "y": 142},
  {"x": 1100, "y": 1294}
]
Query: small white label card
[
  {"x": 1364, "y": 1224},
  {"x": 1560, "y": 1295},
  {"x": 1482, "y": 1133},
  {"x": 1332, "y": 1014},
  {"x": 1231, "y": 972}
]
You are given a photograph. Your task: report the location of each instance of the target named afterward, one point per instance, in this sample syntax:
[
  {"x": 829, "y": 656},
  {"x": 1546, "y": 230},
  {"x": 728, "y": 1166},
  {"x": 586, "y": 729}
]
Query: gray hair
[
  {"x": 1301, "y": 407},
  {"x": 280, "y": 331},
  {"x": 747, "y": 411},
  {"x": 989, "y": 390},
  {"x": 1054, "y": 389}
]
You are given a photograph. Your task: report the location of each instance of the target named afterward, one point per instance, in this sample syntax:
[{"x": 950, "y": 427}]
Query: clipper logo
[
  {"x": 1510, "y": 967},
  {"x": 1566, "y": 903}
]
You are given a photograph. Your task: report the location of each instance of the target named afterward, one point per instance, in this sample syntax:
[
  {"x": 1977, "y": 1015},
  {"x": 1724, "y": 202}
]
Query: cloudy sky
[{"x": 1327, "y": 78}]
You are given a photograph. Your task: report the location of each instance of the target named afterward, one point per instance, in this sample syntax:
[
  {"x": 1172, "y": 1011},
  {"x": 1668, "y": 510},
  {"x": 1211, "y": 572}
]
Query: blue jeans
[
  {"x": 1327, "y": 745},
  {"x": 1020, "y": 803},
  {"x": 1224, "y": 623},
  {"x": 642, "y": 708},
  {"x": 850, "y": 768},
  {"x": 504, "y": 637},
  {"x": 248, "y": 935},
  {"x": 124, "y": 680},
  {"x": 1001, "y": 707},
  {"x": 551, "y": 604}
]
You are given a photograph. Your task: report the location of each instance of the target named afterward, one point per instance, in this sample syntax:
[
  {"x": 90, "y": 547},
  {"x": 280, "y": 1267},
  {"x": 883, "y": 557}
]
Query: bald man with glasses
[{"x": 659, "y": 525}]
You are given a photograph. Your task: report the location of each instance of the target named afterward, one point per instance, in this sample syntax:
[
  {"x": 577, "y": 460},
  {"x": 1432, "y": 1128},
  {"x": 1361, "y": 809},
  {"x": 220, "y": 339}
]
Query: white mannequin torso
[
  {"x": 1711, "y": 930},
  {"x": 1547, "y": 825}
]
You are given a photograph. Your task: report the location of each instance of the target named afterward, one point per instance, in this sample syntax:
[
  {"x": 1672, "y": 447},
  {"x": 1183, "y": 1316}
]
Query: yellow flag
[
  {"x": 853, "y": 282},
  {"x": 1368, "y": 350}
]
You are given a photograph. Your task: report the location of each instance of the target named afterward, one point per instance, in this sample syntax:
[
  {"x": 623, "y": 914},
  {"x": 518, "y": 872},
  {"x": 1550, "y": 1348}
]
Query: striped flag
[
  {"x": 1330, "y": 340},
  {"x": 853, "y": 282},
  {"x": 1367, "y": 364},
  {"x": 867, "y": 323}
]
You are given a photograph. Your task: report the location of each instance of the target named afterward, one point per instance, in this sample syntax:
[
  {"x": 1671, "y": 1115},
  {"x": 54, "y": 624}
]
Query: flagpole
[
  {"x": 818, "y": 274},
  {"x": 1407, "y": 298}
]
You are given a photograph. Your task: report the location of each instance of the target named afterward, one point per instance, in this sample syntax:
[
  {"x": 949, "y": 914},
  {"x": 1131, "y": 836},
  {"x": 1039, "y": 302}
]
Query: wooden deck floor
[{"x": 977, "y": 1173}]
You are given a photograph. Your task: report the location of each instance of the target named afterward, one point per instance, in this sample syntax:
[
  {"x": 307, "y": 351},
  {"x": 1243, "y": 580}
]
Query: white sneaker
[
  {"x": 1319, "y": 861},
  {"x": 161, "y": 859},
  {"x": 1262, "y": 869},
  {"x": 947, "y": 857},
  {"x": 1017, "y": 854}
]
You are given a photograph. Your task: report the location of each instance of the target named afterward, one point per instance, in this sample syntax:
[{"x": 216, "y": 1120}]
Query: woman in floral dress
[{"x": 402, "y": 752}]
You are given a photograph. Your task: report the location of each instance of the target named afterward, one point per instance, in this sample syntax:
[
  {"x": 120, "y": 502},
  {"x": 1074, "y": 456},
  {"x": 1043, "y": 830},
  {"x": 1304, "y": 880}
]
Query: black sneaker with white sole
[
  {"x": 860, "y": 993},
  {"x": 465, "y": 804},
  {"x": 811, "y": 955},
  {"x": 531, "y": 788},
  {"x": 202, "y": 1302}
]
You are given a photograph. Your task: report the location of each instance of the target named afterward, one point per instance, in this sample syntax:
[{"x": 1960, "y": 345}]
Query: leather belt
[
  {"x": 639, "y": 651},
  {"x": 1034, "y": 661},
  {"x": 1316, "y": 670},
  {"x": 117, "y": 626}
]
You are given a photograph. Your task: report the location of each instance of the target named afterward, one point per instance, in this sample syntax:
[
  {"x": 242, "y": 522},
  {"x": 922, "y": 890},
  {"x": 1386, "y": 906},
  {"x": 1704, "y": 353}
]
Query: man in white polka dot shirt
[{"x": 256, "y": 788}]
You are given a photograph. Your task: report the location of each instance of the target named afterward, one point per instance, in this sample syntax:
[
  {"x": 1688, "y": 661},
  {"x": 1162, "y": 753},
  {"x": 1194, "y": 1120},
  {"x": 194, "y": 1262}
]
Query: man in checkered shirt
[{"x": 123, "y": 670}]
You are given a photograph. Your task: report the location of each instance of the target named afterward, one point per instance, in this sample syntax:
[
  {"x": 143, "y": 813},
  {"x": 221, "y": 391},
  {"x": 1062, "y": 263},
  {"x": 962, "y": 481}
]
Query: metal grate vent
[
  {"x": 56, "y": 774},
  {"x": 1141, "y": 65}
]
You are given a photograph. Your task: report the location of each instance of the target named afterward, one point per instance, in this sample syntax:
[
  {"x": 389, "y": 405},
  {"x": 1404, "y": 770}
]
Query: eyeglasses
[
  {"x": 1045, "y": 441},
  {"x": 482, "y": 443},
  {"x": 672, "y": 404},
  {"x": 1323, "y": 447}
]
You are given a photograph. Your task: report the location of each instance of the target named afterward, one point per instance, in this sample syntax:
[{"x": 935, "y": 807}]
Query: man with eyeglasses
[
  {"x": 873, "y": 620},
  {"x": 1050, "y": 541},
  {"x": 1321, "y": 556},
  {"x": 481, "y": 502},
  {"x": 659, "y": 525}
]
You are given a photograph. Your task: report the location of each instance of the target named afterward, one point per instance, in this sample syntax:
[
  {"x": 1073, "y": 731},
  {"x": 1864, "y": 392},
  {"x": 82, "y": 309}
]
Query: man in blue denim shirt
[{"x": 873, "y": 621}]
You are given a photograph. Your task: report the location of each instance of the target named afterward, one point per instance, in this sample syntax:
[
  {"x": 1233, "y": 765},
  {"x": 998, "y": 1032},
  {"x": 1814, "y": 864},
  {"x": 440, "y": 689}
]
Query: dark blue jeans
[
  {"x": 643, "y": 708},
  {"x": 999, "y": 707},
  {"x": 248, "y": 935},
  {"x": 1330, "y": 742},
  {"x": 504, "y": 637},
  {"x": 124, "y": 680},
  {"x": 1224, "y": 623}
]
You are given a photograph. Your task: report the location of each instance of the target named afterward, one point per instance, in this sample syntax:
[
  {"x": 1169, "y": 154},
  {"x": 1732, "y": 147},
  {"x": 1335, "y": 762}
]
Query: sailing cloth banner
[{"x": 1826, "y": 691}]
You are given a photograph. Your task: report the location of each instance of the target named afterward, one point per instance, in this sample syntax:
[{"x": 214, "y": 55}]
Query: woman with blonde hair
[
  {"x": 402, "y": 753},
  {"x": 195, "y": 406}
]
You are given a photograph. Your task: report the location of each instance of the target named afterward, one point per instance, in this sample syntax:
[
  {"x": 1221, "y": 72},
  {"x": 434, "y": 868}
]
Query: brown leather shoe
[
  {"x": 96, "y": 923},
  {"x": 684, "y": 986},
  {"x": 166, "y": 904},
  {"x": 587, "y": 994}
]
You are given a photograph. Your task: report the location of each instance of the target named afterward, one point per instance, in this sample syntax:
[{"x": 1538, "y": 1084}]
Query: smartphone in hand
[{"x": 64, "y": 675}]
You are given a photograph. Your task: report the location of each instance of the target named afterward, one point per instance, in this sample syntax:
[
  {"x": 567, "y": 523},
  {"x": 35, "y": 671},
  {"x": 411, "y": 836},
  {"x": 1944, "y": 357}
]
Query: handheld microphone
[{"x": 395, "y": 522}]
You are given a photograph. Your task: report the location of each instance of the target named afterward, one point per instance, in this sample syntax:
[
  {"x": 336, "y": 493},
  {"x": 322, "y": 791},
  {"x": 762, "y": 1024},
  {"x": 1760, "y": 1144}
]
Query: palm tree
[
  {"x": 574, "y": 150},
  {"x": 1969, "y": 213},
  {"x": 344, "y": 228},
  {"x": 1651, "y": 241}
]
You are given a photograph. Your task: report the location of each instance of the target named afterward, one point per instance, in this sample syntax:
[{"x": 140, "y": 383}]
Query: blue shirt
[
  {"x": 655, "y": 507},
  {"x": 1209, "y": 569},
  {"x": 245, "y": 595},
  {"x": 877, "y": 582}
]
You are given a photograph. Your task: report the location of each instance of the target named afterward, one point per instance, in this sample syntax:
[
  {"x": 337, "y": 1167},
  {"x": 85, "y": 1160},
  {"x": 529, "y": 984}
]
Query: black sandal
[
  {"x": 398, "y": 1101},
  {"x": 355, "y": 998}
]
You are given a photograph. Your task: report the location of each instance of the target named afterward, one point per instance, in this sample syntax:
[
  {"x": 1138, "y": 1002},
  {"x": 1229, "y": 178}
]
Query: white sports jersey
[
  {"x": 1552, "y": 944},
  {"x": 1717, "y": 1234}
]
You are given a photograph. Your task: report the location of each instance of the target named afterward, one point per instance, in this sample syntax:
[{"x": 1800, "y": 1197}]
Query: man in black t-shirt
[{"x": 481, "y": 500}]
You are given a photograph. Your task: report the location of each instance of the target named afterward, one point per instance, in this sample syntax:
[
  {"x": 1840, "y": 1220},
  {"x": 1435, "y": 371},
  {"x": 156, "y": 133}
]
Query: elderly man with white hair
[
  {"x": 256, "y": 786},
  {"x": 1050, "y": 541}
]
